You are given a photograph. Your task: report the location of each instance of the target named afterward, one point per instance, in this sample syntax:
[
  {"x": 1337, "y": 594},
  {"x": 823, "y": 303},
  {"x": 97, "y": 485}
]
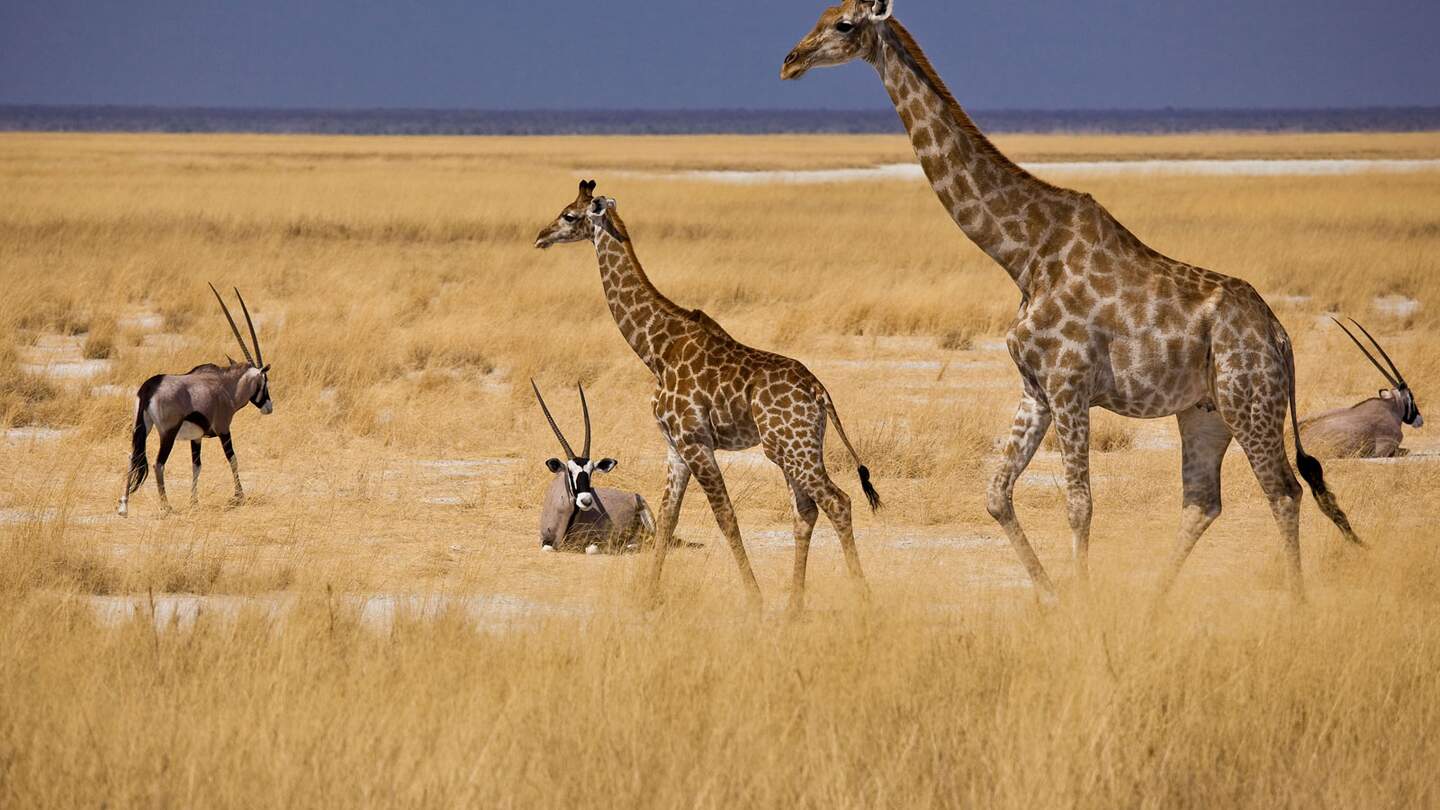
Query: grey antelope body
[
  {"x": 576, "y": 514},
  {"x": 199, "y": 404},
  {"x": 1369, "y": 429}
]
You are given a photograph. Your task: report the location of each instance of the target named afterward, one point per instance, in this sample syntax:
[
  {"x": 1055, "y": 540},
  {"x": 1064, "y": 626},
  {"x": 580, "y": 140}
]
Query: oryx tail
[
  {"x": 1309, "y": 466},
  {"x": 871, "y": 495},
  {"x": 139, "y": 465}
]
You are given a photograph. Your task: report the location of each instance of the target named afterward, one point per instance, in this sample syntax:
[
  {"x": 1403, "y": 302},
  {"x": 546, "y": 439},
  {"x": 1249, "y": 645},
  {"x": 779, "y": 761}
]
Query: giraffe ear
[{"x": 881, "y": 10}]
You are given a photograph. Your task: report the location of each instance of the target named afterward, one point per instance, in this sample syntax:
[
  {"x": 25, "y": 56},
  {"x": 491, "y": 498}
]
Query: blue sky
[{"x": 561, "y": 54}]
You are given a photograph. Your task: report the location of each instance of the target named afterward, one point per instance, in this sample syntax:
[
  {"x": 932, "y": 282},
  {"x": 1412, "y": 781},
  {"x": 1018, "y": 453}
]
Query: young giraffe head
[
  {"x": 844, "y": 33},
  {"x": 573, "y": 224}
]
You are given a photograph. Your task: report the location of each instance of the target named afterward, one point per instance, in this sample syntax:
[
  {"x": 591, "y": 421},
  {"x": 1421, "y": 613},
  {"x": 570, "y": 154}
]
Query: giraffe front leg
[
  {"x": 1072, "y": 428},
  {"x": 229, "y": 448},
  {"x": 700, "y": 458},
  {"x": 677, "y": 476},
  {"x": 194, "y": 472},
  {"x": 1032, "y": 419}
]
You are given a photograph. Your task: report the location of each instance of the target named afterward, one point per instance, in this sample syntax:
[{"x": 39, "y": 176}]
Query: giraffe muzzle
[{"x": 794, "y": 66}]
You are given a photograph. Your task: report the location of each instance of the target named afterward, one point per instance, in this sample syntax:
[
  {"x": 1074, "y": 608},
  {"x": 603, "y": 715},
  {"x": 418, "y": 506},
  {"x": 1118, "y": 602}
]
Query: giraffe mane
[{"x": 912, "y": 52}]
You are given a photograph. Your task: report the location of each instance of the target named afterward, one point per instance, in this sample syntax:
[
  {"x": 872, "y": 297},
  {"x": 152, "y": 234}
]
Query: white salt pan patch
[
  {"x": 109, "y": 391},
  {"x": 142, "y": 322},
  {"x": 1396, "y": 306},
  {"x": 1217, "y": 168},
  {"x": 467, "y": 468},
  {"x": 67, "y": 369},
  {"x": 32, "y": 435},
  {"x": 59, "y": 357},
  {"x": 968, "y": 541},
  {"x": 490, "y": 612}
]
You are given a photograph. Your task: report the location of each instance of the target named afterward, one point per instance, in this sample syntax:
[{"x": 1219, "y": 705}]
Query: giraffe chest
[{"x": 721, "y": 415}]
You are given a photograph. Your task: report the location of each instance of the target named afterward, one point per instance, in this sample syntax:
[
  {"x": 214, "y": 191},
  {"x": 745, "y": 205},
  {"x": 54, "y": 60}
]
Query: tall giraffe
[
  {"x": 714, "y": 393},
  {"x": 1104, "y": 320}
]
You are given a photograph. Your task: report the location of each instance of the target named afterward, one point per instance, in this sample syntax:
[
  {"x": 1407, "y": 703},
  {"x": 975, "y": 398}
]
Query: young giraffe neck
[
  {"x": 982, "y": 189},
  {"x": 647, "y": 319}
]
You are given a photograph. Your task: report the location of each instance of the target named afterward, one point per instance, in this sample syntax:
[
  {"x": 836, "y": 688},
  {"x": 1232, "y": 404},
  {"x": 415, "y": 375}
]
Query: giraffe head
[
  {"x": 844, "y": 33},
  {"x": 573, "y": 224}
]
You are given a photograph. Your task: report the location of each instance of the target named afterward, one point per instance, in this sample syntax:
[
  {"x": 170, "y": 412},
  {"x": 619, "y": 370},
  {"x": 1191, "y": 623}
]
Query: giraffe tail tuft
[
  {"x": 871, "y": 495},
  {"x": 1309, "y": 466}
]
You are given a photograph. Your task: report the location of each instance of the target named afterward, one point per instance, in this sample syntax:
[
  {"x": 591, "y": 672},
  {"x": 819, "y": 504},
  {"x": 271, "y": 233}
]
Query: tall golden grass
[{"x": 375, "y": 626}]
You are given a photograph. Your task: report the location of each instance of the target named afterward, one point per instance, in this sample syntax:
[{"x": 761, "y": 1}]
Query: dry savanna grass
[{"x": 376, "y": 626}]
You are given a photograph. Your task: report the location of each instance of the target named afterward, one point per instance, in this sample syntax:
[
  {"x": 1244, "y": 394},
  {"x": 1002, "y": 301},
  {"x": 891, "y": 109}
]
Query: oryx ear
[
  {"x": 880, "y": 10},
  {"x": 1385, "y": 394},
  {"x": 606, "y": 464},
  {"x": 554, "y": 465},
  {"x": 266, "y": 369}
]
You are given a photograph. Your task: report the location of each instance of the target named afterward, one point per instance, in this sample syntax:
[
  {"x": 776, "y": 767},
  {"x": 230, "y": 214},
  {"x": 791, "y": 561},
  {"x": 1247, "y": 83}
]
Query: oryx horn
[
  {"x": 233, "y": 327},
  {"x": 259, "y": 357},
  {"x": 586, "y": 410},
  {"x": 1397, "y": 380},
  {"x": 561, "y": 436}
]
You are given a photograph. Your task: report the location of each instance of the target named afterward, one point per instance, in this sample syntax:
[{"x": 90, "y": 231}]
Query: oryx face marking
[{"x": 579, "y": 476}]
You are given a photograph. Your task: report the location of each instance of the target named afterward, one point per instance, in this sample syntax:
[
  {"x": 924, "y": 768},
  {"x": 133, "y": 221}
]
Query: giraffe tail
[
  {"x": 1309, "y": 466},
  {"x": 871, "y": 495}
]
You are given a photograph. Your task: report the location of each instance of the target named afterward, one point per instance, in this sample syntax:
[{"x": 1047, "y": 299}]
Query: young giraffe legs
[
  {"x": 1072, "y": 428},
  {"x": 805, "y": 515},
  {"x": 677, "y": 476},
  {"x": 1204, "y": 437},
  {"x": 700, "y": 458},
  {"x": 1032, "y": 419}
]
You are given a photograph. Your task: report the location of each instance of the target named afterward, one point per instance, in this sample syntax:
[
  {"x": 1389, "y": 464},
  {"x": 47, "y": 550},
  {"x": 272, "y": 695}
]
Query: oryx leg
[
  {"x": 194, "y": 471},
  {"x": 1204, "y": 438},
  {"x": 167, "y": 443},
  {"x": 677, "y": 476},
  {"x": 1032, "y": 419},
  {"x": 229, "y": 448}
]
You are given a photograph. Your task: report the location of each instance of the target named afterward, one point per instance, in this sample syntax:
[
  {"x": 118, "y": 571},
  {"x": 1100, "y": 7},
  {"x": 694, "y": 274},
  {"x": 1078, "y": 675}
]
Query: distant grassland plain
[{"x": 377, "y": 627}]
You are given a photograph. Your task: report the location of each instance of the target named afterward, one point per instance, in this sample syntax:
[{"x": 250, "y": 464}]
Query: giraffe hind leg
[
  {"x": 805, "y": 515},
  {"x": 1204, "y": 437}
]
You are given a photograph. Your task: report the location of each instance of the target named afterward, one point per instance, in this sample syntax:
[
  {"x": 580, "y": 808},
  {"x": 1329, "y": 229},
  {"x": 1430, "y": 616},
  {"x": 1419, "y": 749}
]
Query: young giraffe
[
  {"x": 1104, "y": 319},
  {"x": 714, "y": 393}
]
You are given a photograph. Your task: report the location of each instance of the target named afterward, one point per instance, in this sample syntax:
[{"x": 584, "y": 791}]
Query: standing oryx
[
  {"x": 576, "y": 514},
  {"x": 1370, "y": 429},
  {"x": 197, "y": 404}
]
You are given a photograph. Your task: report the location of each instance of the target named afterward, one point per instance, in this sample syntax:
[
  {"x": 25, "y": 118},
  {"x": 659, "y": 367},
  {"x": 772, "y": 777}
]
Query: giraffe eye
[
  {"x": 570, "y": 217},
  {"x": 844, "y": 26}
]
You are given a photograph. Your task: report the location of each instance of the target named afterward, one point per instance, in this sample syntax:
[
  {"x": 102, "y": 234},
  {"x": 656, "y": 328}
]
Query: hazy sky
[{"x": 560, "y": 54}]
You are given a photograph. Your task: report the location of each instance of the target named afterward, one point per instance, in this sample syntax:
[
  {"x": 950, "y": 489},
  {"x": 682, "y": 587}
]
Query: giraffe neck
[
  {"x": 982, "y": 189},
  {"x": 647, "y": 319}
]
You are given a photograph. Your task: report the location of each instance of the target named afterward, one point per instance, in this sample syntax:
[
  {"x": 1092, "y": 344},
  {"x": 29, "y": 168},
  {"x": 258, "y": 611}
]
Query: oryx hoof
[
  {"x": 593, "y": 548},
  {"x": 547, "y": 547},
  {"x": 122, "y": 510}
]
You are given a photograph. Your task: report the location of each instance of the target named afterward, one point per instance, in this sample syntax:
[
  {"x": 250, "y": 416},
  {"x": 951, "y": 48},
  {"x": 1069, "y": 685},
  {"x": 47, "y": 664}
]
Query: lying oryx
[
  {"x": 1370, "y": 429},
  {"x": 197, "y": 404},
  {"x": 578, "y": 515}
]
